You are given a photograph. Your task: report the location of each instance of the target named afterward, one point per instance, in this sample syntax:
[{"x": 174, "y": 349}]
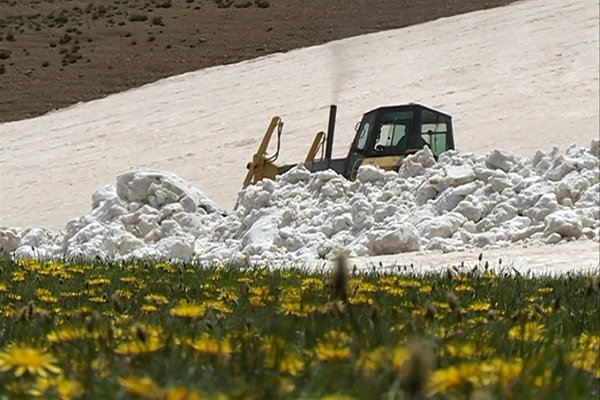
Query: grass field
[{"x": 183, "y": 331}]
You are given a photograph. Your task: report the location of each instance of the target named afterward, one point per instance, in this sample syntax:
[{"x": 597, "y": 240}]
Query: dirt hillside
[{"x": 54, "y": 53}]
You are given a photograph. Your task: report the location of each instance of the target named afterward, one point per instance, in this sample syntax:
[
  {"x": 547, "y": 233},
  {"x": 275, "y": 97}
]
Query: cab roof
[{"x": 410, "y": 106}]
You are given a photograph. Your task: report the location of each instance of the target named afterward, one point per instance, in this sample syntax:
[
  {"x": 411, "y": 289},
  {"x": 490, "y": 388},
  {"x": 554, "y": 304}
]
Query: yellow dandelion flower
[
  {"x": 295, "y": 308},
  {"x": 18, "y": 276},
  {"x": 188, "y": 310},
  {"x": 360, "y": 298},
  {"x": 312, "y": 284},
  {"x": 125, "y": 294},
  {"x": 98, "y": 281},
  {"x": 399, "y": 357},
  {"x": 165, "y": 267},
  {"x": 257, "y": 301},
  {"x": 530, "y": 332},
  {"x": 77, "y": 269},
  {"x": 545, "y": 290},
  {"x": 501, "y": 371},
  {"x": 98, "y": 299},
  {"x": 148, "y": 308},
  {"x": 426, "y": 289},
  {"x": 66, "y": 388},
  {"x": 464, "y": 288},
  {"x": 128, "y": 279},
  {"x": 60, "y": 274},
  {"x": 395, "y": 291},
  {"x": 45, "y": 295},
  {"x": 142, "y": 339},
  {"x": 69, "y": 295},
  {"x": 329, "y": 352},
  {"x": 143, "y": 387},
  {"x": 3, "y": 287},
  {"x": 23, "y": 359},
  {"x": 292, "y": 364},
  {"x": 465, "y": 350},
  {"x": 373, "y": 360},
  {"x": 228, "y": 294},
  {"x": 180, "y": 393},
  {"x": 156, "y": 299},
  {"x": 361, "y": 286},
  {"x": 477, "y": 321},
  {"x": 454, "y": 377},
  {"x": 408, "y": 283},
  {"x": 66, "y": 335},
  {"x": 7, "y": 310},
  {"x": 585, "y": 354},
  {"x": 479, "y": 305},
  {"x": 206, "y": 344}
]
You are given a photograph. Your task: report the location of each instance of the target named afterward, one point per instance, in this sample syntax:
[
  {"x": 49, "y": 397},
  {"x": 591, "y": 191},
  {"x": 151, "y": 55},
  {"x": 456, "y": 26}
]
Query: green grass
[{"x": 157, "y": 330}]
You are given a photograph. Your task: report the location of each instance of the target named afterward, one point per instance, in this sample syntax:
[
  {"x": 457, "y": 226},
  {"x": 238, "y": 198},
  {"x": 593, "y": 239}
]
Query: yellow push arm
[
  {"x": 315, "y": 146},
  {"x": 256, "y": 166}
]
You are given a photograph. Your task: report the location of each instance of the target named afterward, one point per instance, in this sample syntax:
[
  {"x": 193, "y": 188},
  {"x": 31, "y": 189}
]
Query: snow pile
[{"x": 461, "y": 201}]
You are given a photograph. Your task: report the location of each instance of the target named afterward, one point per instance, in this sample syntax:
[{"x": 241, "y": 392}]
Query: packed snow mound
[{"x": 461, "y": 201}]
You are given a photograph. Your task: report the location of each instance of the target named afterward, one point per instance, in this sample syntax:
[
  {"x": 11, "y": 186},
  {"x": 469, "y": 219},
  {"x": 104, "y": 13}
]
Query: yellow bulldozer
[{"x": 383, "y": 138}]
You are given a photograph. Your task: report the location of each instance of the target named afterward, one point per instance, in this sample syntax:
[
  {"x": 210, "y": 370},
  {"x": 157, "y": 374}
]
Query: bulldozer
[{"x": 384, "y": 137}]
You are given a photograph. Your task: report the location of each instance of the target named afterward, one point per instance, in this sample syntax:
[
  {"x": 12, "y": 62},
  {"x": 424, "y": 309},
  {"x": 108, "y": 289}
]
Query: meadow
[{"x": 156, "y": 330}]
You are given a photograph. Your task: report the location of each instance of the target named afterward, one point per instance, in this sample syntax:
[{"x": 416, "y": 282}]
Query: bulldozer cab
[
  {"x": 387, "y": 134},
  {"x": 401, "y": 130}
]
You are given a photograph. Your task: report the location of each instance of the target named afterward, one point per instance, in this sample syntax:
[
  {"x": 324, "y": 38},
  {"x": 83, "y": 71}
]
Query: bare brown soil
[{"x": 54, "y": 53}]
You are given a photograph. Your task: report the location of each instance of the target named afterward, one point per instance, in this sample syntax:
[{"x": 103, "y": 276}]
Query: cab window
[
  {"x": 364, "y": 131},
  {"x": 392, "y": 132},
  {"x": 434, "y": 131}
]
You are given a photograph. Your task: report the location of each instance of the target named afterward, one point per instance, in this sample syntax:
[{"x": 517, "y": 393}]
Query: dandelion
[
  {"x": 98, "y": 299},
  {"x": 157, "y": 299},
  {"x": 67, "y": 335},
  {"x": 18, "y": 276},
  {"x": 98, "y": 281},
  {"x": 189, "y": 310},
  {"x": 329, "y": 352},
  {"x": 501, "y": 371},
  {"x": 180, "y": 393},
  {"x": 66, "y": 388},
  {"x": 545, "y": 290},
  {"x": 530, "y": 332},
  {"x": 585, "y": 354},
  {"x": 141, "y": 387},
  {"x": 312, "y": 284},
  {"x": 464, "y": 288},
  {"x": 455, "y": 377},
  {"x": 291, "y": 364},
  {"x": 165, "y": 268},
  {"x": 143, "y": 340},
  {"x": 148, "y": 308},
  {"x": 479, "y": 305},
  {"x": 23, "y": 359},
  {"x": 426, "y": 289},
  {"x": 128, "y": 279},
  {"x": 335, "y": 347},
  {"x": 465, "y": 350},
  {"x": 206, "y": 344}
]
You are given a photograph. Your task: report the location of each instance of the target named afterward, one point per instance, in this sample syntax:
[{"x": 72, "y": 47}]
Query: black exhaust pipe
[{"x": 330, "y": 131}]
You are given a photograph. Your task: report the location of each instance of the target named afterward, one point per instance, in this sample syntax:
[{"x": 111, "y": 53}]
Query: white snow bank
[{"x": 462, "y": 201}]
